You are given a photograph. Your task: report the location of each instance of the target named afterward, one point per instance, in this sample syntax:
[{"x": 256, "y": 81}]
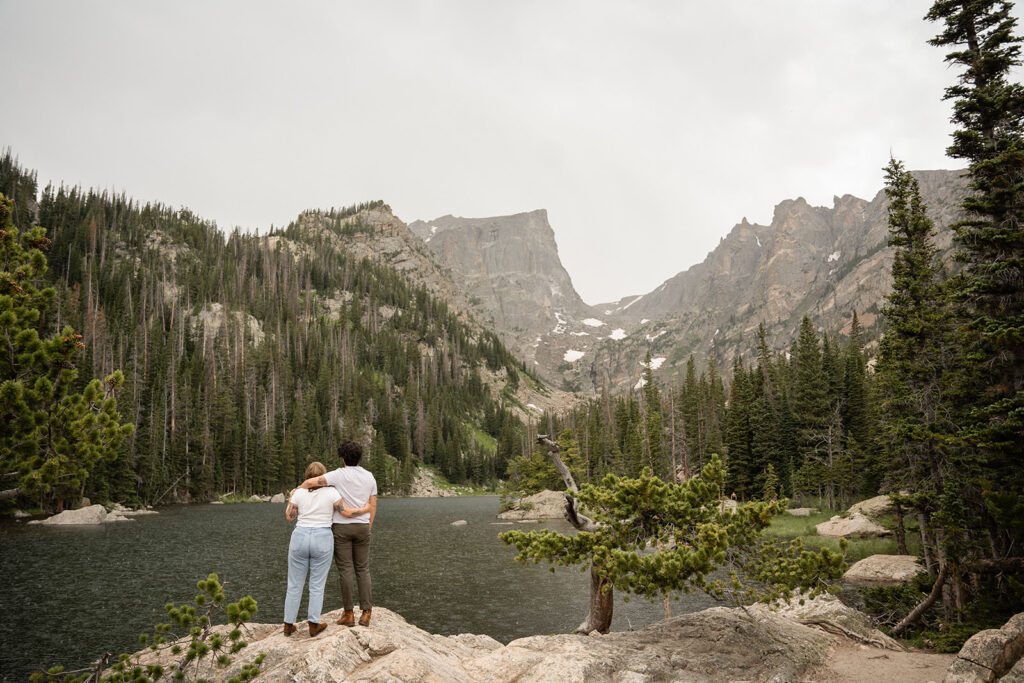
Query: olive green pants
[{"x": 352, "y": 557}]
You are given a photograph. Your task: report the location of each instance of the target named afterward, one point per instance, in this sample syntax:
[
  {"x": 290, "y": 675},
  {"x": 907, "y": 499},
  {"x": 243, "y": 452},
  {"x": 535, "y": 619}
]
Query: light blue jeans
[{"x": 311, "y": 549}]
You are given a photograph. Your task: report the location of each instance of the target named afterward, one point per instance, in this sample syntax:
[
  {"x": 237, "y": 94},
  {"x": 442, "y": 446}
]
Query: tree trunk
[
  {"x": 926, "y": 551},
  {"x": 901, "y": 532},
  {"x": 602, "y": 598},
  {"x": 916, "y": 613},
  {"x": 601, "y": 603}
]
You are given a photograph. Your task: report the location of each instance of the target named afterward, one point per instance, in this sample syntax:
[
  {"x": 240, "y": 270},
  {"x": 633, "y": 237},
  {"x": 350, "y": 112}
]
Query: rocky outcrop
[
  {"x": 828, "y": 612},
  {"x": 883, "y": 570},
  {"x": 543, "y": 505},
  {"x": 873, "y": 507},
  {"x": 123, "y": 511},
  {"x": 375, "y": 233},
  {"x": 425, "y": 485},
  {"x": 854, "y": 525},
  {"x": 718, "y": 644},
  {"x": 821, "y": 261},
  {"x": 991, "y": 655},
  {"x": 93, "y": 514},
  {"x": 278, "y": 498},
  {"x": 509, "y": 265},
  {"x": 801, "y": 512}
]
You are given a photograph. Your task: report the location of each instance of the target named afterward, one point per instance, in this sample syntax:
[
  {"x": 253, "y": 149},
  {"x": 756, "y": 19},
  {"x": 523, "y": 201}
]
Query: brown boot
[
  {"x": 364, "y": 618},
  {"x": 289, "y": 629},
  {"x": 316, "y": 628},
  {"x": 348, "y": 618}
]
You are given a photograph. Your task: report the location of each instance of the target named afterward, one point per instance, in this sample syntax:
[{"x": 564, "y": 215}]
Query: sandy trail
[{"x": 853, "y": 663}]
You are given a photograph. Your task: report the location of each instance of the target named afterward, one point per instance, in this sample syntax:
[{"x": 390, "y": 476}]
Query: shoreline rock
[
  {"x": 425, "y": 485},
  {"x": 91, "y": 515},
  {"x": 543, "y": 505},
  {"x": 718, "y": 644},
  {"x": 883, "y": 570}
]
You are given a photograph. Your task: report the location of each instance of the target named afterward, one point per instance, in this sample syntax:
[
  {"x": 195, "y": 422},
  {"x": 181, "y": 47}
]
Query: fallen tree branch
[
  {"x": 563, "y": 470},
  {"x": 168, "y": 489},
  {"x": 992, "y": 566},
  {"x": 602, "y": 600},
  {"x": 572, "y": 510},
  {"x": 916, "y": 613}
]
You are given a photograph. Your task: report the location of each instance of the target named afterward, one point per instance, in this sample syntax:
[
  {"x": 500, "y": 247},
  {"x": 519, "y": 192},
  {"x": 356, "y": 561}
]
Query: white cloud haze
[{"x": 647, "y": 129}]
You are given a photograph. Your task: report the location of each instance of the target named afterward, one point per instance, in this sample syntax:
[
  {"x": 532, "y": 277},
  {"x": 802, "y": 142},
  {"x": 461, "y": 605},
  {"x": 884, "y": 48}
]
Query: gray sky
[{"x": 646, "y": 129}]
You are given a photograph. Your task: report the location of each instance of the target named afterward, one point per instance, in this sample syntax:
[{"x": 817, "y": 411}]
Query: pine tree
[
  {"x": 810, "y": 406},
  {"x": 653, "y": 537},
  {"x": 51, "y": 437},
  {"x": 740, "y": 466},
  {"x": 988, "y": 110},
  {"x": 915, "y": 352},
  {"x": 652, "y": 422},
  {"x": 771, "y": 487}
]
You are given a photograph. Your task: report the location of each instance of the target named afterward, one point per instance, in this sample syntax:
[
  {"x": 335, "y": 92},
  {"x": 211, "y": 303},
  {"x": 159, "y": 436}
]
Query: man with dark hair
[{"x": 358, "y": 488}]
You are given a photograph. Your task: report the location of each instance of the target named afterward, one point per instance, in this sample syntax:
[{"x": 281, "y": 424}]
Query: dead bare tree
[{"x": 599, "y": 616}]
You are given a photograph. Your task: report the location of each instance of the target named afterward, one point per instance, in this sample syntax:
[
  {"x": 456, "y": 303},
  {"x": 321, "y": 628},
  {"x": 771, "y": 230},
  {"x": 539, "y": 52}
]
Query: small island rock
[
  {"x": 543, "y": 505},
  {"x": 94, "y": 514},
  {"x": 278, "y": 498},
  {"x": 460, "y": 522},
  {"x": 883, "y": 570}
]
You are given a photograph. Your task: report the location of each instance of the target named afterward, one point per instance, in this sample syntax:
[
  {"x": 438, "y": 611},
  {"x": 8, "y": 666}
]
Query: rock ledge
[{"x": 718, "y": 644}]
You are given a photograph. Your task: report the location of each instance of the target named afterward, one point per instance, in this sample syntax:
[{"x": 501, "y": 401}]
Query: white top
[
  {"x": 315, "y": 507},
  {"x": 355, "y": 485}
]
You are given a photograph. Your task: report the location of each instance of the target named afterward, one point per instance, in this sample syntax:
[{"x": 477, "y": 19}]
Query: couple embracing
[{"x": 335, "y": 512}]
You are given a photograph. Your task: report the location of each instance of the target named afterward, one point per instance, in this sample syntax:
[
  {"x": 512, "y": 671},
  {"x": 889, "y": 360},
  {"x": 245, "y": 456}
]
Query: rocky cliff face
[
  {"x": 509, "y": 266},
  {"x": 825, "y": 262},
  {"x": 819, "y": 261},
  {"x": 376, "y": 233}
]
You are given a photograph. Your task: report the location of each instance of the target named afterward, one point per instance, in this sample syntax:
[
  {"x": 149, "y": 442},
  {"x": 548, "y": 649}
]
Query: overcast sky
[{"x": 646, "y": 129}]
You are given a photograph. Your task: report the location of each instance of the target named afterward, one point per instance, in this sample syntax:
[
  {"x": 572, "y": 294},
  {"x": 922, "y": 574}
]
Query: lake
[{"x": 69, "y": 594}]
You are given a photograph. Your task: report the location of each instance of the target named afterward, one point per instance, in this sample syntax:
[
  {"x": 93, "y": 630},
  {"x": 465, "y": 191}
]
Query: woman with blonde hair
[{"x": 311, "y": 547}]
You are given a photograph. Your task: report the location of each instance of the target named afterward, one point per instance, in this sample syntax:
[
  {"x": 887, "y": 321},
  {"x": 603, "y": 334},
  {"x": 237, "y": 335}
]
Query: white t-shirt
[
  {"x": 315, "y": 507},
  {"x": 355, "y": 485}
]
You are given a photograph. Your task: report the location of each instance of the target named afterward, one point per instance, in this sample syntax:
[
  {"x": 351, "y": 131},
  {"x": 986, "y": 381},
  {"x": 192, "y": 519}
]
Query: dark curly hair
[{"x": 350, "y": 452}]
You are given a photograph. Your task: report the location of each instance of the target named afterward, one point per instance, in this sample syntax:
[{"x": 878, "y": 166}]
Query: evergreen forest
[{"x": 243, "y": 357}]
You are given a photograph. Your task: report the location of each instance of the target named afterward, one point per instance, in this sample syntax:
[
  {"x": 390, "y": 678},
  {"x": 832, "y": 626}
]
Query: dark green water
[{"x": 69, "y": 594}]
